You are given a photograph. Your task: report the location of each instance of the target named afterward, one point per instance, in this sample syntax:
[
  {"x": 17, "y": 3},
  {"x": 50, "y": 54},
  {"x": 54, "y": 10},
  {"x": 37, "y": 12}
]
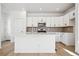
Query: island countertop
[{"x": 36, "y": 33}]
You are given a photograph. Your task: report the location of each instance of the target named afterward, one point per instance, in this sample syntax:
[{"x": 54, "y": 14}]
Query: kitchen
[{"x": 37, "y": 28}]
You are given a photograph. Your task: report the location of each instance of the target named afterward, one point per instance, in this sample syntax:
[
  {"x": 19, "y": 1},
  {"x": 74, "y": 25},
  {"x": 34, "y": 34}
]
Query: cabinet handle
[
  {"x": 32, "y": 24},
  {"x": 54, "y": 24},
  {"x": 65, "y": 24}
]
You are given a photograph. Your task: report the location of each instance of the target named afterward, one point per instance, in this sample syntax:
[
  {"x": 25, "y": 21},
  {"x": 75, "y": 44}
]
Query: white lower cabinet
[
  {"x": 65, "y": 38},
  {"x": 68, "y": 38},
  {"x": 45, "y": 43},
  {"x": 57, "y": 37}
]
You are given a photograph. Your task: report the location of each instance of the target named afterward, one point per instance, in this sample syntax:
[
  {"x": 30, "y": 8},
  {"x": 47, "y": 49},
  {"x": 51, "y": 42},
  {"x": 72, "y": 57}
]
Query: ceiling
[{"x": 38, "y": 7}]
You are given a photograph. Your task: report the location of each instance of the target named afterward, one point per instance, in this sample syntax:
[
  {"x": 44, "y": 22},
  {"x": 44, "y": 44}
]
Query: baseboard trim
[{"x": 34, "y": 51}]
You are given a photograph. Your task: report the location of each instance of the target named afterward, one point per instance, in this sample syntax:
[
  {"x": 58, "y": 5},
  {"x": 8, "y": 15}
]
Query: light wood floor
[{"x": 8, "y": 50}]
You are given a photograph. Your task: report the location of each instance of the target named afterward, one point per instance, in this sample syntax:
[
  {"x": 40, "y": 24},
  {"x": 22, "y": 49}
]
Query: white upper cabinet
[
  {"x": 52, "y": 21},
  {"x": 61, "y": 21},
  {"x": 44, "y": 20},
  {"x": 72, "y": 14},
  {"x": 56, "y": 21},
  {"x": 35, "y": 21},
  {"x": 29, "y": 21},
  {"x": 48, "y": 21},
  {"x": 41, "y": 19},
  {"x": 66, "y": 20}
]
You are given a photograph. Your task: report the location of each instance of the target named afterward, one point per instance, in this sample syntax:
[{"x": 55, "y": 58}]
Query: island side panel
[{"x": 35, "y": 43}]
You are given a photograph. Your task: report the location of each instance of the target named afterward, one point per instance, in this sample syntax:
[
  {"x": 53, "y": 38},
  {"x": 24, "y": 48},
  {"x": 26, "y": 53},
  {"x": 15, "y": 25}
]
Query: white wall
[
  {"x": 77, "y": 29},
  {"x": 4, "y": 18},
  {"x": 16, "y": 23},
  {"x": 1, "y": 25}
]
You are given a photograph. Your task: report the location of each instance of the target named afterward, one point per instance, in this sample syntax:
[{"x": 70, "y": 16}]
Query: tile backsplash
[{"x": 52, "y": 29}]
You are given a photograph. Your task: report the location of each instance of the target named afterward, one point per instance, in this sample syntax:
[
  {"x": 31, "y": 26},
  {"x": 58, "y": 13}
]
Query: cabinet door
[
  {"x": 29, "y": 21},
  {"x": 66, "y": 20},
  {"x": 39, "y": 20},
  {"x": 61, "y": 37},
  {"x": 57, "y": 38},
  {"x": 52, "y": 22},
  {"x": 31, "y": 44},
  {"x": 61, "y": 23},
  {"x": 72, "y": 14},
  {"x": 48, "y": 21},
  {"x": 65, "y": 39},
  {"x": 56, "y": 22},
  {"x": 35, "y": 21},
  {"x": 46, "y": 43},
  {"x": 44, "y": 19}
]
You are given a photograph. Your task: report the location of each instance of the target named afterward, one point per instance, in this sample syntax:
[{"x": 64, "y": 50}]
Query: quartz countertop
[
  {"x": 36, "y": 33},
  {"x": 29, "y": 33},
  {"x": 42, "y": 33}
]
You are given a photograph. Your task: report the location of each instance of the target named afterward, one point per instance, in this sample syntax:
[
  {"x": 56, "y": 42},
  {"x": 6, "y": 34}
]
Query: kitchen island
[{"x": 35, "y": 43}]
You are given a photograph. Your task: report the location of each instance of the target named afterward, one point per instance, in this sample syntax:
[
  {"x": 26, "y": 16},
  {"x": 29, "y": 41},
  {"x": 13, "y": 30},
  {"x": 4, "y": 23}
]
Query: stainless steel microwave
[{"x": 41, "y": 24}]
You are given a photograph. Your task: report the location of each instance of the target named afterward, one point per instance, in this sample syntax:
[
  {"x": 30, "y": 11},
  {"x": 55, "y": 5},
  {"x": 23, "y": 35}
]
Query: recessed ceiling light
[
  {"x": 40, "y": 9},
  {"x": 57, "y": 9},
  {"x": 23, "y": 8},
  {"x": 30, "y": 9}
]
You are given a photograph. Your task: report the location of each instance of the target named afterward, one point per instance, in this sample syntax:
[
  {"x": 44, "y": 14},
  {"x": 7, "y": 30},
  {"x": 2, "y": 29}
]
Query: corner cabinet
[
  {"x": 72, "y": 14},
  {"x": 68, "y": 18}
]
